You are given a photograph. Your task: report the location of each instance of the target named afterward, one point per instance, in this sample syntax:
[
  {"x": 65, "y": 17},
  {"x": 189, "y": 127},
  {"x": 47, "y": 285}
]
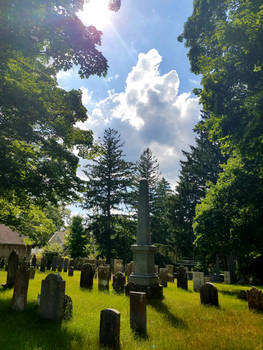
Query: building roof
[
  {"x": 58, "y": 237},
  {"x": 7, "y": 236}
]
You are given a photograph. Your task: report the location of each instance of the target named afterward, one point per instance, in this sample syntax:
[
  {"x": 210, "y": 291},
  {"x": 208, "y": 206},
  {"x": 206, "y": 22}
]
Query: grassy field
[{"x": 177, "y": 322}]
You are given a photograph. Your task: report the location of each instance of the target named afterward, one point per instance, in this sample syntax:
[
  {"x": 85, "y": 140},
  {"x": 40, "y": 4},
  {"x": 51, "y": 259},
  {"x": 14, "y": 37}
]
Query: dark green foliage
[
  {"x": 225, "y": 41},
  {"x": 77, "y": 238},
  {"x": 109, "y": 178},
  {"x": 201, "y": 167}
]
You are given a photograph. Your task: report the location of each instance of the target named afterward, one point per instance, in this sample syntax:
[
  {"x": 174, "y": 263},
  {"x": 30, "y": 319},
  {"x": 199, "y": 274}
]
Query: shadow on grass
[
  {"x": 159, "y": 306},
  {"x": 25, "y": 330}
]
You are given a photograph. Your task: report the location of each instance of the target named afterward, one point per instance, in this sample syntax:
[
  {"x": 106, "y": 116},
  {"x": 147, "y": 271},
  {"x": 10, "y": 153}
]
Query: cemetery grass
[{"x": 177, "y": 322}]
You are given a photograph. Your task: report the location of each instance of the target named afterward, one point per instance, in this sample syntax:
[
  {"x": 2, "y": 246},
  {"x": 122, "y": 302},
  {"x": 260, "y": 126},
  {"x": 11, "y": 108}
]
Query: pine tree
[
  {"x": 76, "y": 239},
  {"x": 109, "y": 178}
]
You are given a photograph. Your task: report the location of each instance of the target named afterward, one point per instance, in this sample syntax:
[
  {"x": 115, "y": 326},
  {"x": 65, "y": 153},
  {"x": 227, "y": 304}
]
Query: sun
[{"x": 96, "y": 13}]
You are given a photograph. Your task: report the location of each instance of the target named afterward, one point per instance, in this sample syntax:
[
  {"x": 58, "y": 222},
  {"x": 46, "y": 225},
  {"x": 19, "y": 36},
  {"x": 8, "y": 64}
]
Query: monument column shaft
[{"x": 143, "y": 229}]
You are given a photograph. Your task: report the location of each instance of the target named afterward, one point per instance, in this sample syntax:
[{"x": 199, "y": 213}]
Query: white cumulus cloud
[{"x": 150, "y": 112}]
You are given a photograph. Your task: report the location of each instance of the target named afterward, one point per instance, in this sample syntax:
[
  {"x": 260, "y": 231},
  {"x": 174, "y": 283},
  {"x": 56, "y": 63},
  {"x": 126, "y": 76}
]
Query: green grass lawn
[{"x": 177, "y": 322}]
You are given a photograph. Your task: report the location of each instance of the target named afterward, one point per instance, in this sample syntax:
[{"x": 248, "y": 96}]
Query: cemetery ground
[{"x": 179, "y": 321}]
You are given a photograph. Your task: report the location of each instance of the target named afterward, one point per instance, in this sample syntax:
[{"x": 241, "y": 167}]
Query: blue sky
[{"x": 147, "y": 94}]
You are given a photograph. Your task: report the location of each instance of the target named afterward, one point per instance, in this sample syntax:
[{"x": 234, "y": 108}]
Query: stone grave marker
[
  {"x": 32, "y": 272},
  {"x": 118, "y": 283},
  {"x": 11, "y": 270},
  {"x": 54, "y": 264},
  {"x": 163, "y": 276},
  {"x": 227, "y": 278},
  {"x": 86, "y": 277},
  {"x": 144, "y": 278},
  {"x": 70, "y": 270},
  {"x": 43, "y": 264},
  {"x": 52, "y": 298},
  {"x": 255, "y": 299},
  {"x": 2, "y": 263},
  {"x": 209, "y": 294},
  {"x": 19, "y": 300},
  {"x": 138, "y": 321},
  {"x": 182, "y": 281},
  {"x": 103, "y": 277},
  {"x": 198, "y": 280},
  {"x": 156, "y": 269},
  {"x": 170, "y": 269},
  {"x": 66, "y": 261},
  {"x": 128, "y": 269},
  {"x": 110, "y": 328},
  {"x": 117, "y": 266},
  {"x": 68, "y": 307},
  {"x": 34, "y": 261},
  {"x": 60, "y": 264}
]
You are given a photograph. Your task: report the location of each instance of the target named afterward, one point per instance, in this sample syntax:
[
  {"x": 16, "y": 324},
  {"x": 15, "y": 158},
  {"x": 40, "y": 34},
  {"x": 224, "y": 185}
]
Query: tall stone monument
[{"x": 144, "y": 278}]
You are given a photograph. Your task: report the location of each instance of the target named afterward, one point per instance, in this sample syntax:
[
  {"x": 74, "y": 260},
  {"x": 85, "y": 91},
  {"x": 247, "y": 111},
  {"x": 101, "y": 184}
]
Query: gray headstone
[
  {"x": 65, "y": 265},
  {"x": 43, "y": 265},
  {"x": 60, "y": 264},
  {"x": 118, "y": 283},
  {"x": 227, "y": 278},
  {"x": 103, "y": 277},
  {"x": 170, "y": 269},
  {"x": 182, "y": 281},
  {"x": 163, "y": 276},
  {"x": 117, "y": 265},
  {"x": 54, "y": 264},
  {"x": 70, "y": 271},
  {"x": 52, "y": 298},
  {"x": 86, "y": 277},
  {"x": 128, "y": 269},
  {"x": 255, "y": 299},
  {"x": 138, "y": 320},
  {"x": 19, "y": 301},
  {"x": 198, "y": 280},
  {"x": 110, "y": 328},
  {"x": 209, "y": 294},
  {"x": 34, "y": 261},
  {"x": 11, "y": 270}
]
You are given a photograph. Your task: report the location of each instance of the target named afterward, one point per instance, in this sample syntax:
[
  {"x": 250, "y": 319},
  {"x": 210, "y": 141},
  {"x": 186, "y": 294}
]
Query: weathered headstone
[
  {"x": 198, "y": 280},
  {"x": 118, "y": 282},
  {"x": 11, "y": 270},
  {"x": 110, "y": 328},
  {"x": 86, "y": 277},
  {"x": 34, "y": 261},
  {"x": 54, "y": 264},
  {"x": 43, "y": 265},
  {"x": 117, "y": 265},
  {"x": 170, "y": 269},
  {"x": 19, "y": 301},
  {"x": 70, "y": 271},
  {"x": 32, "y": 272},
  {"x": 60, "y": 264},
  {"x": 227, "y": 278},
  {"x": 209, "y": 294},
  {"x": 103, "y": 277},
  {"x": 138, "y": 320},
  {"x": 255, "y": 299},
  {"x": 143, "y": 278},
  {"x": 128, "y": 269},
  {"x": 52, "y": 298},
  {"x": 182, "y": 280},
  {"x": 163, "y": 276},
  {"x": 65, "y": 265},
  {"x": 48, "y": 263},
  {"x": 156, "y": 269}
]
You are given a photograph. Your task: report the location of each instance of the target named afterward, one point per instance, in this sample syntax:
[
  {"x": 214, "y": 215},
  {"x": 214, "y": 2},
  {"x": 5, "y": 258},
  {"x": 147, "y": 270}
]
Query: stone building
[{"x": 11, "y": 240}]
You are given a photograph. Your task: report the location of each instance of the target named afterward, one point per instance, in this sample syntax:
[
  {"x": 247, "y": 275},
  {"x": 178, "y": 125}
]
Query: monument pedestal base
[{"x": 154, "y": 291}]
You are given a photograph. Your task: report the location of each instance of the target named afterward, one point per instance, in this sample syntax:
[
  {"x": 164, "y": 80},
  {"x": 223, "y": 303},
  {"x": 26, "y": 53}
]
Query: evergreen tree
[
  {"x": 201, "y": 167},
  {"x": 77, "y": 239},
  {"x": 109, "y": 178}
]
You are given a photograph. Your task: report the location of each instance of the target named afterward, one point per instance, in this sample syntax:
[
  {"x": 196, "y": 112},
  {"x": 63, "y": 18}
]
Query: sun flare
[{"x": 97, "y": 13}]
